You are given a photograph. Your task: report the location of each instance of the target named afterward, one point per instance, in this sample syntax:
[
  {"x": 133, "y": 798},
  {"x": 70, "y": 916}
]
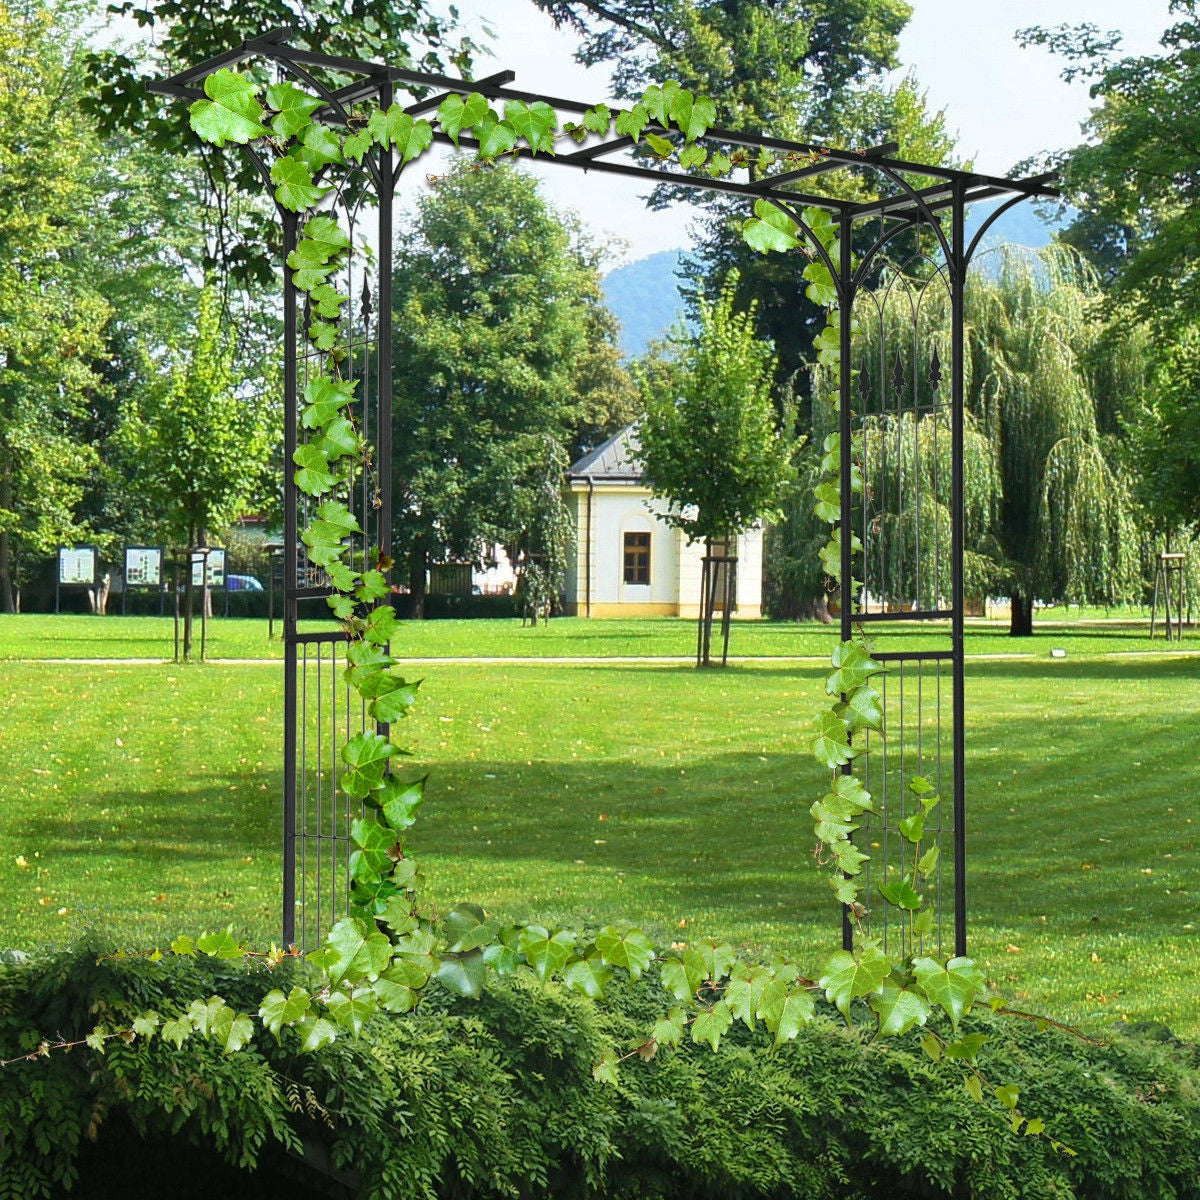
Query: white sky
[{"x": 1005, "y": 103}]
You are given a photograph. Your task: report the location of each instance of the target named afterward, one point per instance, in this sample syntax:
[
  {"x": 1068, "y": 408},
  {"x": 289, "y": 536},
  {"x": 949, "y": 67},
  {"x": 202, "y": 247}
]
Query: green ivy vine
[{"x": 392, "y": 948}]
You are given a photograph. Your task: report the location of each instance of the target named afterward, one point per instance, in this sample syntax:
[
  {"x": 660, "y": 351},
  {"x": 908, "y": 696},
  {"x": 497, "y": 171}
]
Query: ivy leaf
[
  {"x": 351, "y": 1010},
  {"x": 821, "y": 289},
  {"x": 314, "y": 476},
  {"x": 710, "y": 1025},
  {"x": 974, "y": 1088},
  {"x": 393, "y": 996},
  {"x": 898, "y": 1010},
  {"x": 929, "y": 861},
  {"x": 920, "y": 786},
  {"x": 717, "y": 957},
  {"x": 605, "y": 1071},
  {"x": 900, "y": 893},
  {"x": 668, "y": 1030},
  {"x": 547, "y": 954},
  {"x": 683, "y": 976},
  {"x": 745, "y": 992},
  {"x": 294, "y": 109},
  {"x": 845, "y": 977},
  {"x": 853, "y": 666},
  {"x": 631, "y": 122},
  {"x": 832, "y": 743},
  {"x": 661, "y": 147},
  {"x": 393, "y": 702},
  {"x": 463, "y": 975},
  {"x": 316, "y": 1032},
  {"x": 534, "y": 122},
  {"x": 382, "y": 623},
  {"x": 341, "y": 439},
  {"x": 318, "y": 148},
  {"x": 846, "y": 890},
  {"x": 335, "y": 514},
  {"x": 849, "y": 858},
  {"x": 278, "y": 1010},
  {"x": 798, "y": 1010},
  {"x": 466, "y": 927},
  {"x": 365, "y": 754},
  {"x": 95, "y": 1040},
  {"x": 221, "y": 945},
  {"x": 660, "y": 99},
  {"x": 829, "y": 502},
  {"x": 184, "y": 947},
  {"x": 294, "y": 187},
  {"x": 203, "y": 1014},
  {"x": 398, "y": 128},
  {"x": 232, "y": 112},
  {"x": 327, "y": 235},
  {"x": 400, "y": 801},
  {"x": 693, "y": 115},
  {"x": 631, "y": 950},
  {"x": 966, "y": 1047},
  {"x": 719, "y": 166},
  {"x": 177, "y": 1030},
  {"x": 495, "y": 137},
  {"x": 597, "y": 118},
  {"x": 356, "y": 951},
  {"x": 145, "y": 1025},
  {"x": 850, "y": 789},
  {"x": 457, "y": 113},
  {"x": 1008, "y": 1094},
  {"x": 375, "y": 844},
  {"x": 232, "y": 1030},
  {"x": 327, "y": 301},
  {"x": 374, "y": 586},
  {"x": 588, "y": 975},
  {"x": 861, "y": 709},
  {"x": 952, "y": 987},
  {"x": 502, "y": 955},
  {"x": 692, "y": 156},
  {"x": 357, "y": 144},
  {"x": 913, "y": 827},
  {"x": 770, "y": 229},
  {"x": 322, "y": 334}
]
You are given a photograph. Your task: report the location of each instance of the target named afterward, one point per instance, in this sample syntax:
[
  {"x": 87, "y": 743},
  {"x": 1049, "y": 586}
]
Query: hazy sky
[{"x": 1005, "y": 103}]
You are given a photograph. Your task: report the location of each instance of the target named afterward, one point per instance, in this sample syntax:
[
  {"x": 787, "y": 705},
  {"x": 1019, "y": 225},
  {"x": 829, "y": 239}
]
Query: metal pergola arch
[{"x": 316, "y": 819}]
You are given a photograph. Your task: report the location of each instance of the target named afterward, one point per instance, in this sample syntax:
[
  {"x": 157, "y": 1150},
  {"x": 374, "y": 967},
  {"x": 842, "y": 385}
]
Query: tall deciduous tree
[
  {"x": 51, "y": 314},
  {"x": 502, "y": 349},
  {"x": 195, "y": 441},
  {"x": 711, "y": 443}
]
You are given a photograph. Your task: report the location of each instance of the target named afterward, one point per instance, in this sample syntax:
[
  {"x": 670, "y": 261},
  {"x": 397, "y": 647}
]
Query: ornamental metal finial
[
  {"x": 935, "y": 369},
  {"x": 898, "y": 376}
]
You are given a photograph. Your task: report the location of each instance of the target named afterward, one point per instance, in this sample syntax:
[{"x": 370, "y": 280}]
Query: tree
[
  {"x": 711, "y": 444},
  {"x": 241, "y": 242},
  {"x": 541, "y": 550},
  {"x": 1136, "y": 183},
  {"x": 1048, "y": 512},
  {"x": 504, "y": 356},
  {"x": 194, "y": 443},
  {"x": 51, "y": 313}
]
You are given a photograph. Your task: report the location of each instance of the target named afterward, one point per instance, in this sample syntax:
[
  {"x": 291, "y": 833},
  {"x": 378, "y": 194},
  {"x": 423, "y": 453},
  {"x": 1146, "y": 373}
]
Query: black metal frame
[{"x": 908, "y": 205}]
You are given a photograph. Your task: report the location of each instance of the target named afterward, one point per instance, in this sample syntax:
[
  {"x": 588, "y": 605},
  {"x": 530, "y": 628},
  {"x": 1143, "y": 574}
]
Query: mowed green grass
[
  {"x": 145, "y": 800},
  {"x": 38, "y": 636}
]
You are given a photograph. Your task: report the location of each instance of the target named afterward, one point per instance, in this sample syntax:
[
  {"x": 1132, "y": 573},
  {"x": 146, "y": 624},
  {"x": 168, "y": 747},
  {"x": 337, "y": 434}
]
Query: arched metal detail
[{"x": 917, "y": 628}]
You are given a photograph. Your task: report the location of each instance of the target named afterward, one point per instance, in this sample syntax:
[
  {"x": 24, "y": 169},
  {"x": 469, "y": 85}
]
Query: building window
[{"x": 637, "y": 558}]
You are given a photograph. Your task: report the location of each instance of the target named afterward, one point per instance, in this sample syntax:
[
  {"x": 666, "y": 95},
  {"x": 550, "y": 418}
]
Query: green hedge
[{"x": 496, "y": 1098}]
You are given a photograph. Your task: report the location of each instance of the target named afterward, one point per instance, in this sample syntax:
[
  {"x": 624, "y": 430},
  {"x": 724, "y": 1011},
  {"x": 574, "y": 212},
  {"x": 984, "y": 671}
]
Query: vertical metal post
[
  {"x": 957, "y": 541},
  {"x": 383, "y": 334},
  {"x": 846, "y": 499},
  {"x": 289, "y": 587}
]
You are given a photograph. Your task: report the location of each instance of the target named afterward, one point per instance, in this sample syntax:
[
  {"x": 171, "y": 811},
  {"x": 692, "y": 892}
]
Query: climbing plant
[{"x": 392, "y": 947}]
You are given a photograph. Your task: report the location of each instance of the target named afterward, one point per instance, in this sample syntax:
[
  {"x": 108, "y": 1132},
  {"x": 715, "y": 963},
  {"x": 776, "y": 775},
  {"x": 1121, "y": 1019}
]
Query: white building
[{"x": 627, "y": 561}]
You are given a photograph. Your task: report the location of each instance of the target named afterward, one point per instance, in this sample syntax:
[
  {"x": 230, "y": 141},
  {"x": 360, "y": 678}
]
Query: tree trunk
[
  {"x": 418, "y": 572},
  {"x": 7, "y": 597},
  {"x": 1021, "y": 621}
]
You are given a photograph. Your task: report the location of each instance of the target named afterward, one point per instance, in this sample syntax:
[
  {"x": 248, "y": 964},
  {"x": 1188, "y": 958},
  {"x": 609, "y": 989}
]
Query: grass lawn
[
  {"x": 145, "y": 798},
  {"x": 38, "y": 636}
]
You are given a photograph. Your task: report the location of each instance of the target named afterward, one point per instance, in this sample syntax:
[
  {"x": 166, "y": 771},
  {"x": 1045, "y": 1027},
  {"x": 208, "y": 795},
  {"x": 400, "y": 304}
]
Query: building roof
[{"x": 614, "y": 461}]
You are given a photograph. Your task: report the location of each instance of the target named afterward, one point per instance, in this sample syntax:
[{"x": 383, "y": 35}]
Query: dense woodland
[{"x": 139, "y": 321}]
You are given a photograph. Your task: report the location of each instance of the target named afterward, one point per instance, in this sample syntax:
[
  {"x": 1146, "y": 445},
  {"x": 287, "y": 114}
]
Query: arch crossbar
[{"x": 900, "y": 412}]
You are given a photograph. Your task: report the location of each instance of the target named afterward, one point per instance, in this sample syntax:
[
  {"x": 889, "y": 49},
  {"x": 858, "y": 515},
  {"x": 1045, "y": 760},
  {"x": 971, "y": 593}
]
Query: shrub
[{"x": 496, "y": 1098}]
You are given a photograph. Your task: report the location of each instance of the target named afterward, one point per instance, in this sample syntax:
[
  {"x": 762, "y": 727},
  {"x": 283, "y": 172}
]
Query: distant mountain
[{"x": 644, "y": 295}]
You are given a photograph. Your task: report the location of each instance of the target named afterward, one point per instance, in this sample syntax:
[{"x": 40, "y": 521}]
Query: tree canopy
[{"x": 501, "y": 343}]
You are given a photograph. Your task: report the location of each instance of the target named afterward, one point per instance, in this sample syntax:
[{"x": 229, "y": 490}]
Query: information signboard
[
  {"x": 143, "y": 566},
  {"x": 77, "y": 566},
  {"x": 216, "y": 568}
]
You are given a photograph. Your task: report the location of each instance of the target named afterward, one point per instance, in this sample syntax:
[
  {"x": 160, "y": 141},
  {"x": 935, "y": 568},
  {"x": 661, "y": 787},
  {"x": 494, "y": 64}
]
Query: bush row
[{"x": 496, "y": 1098}]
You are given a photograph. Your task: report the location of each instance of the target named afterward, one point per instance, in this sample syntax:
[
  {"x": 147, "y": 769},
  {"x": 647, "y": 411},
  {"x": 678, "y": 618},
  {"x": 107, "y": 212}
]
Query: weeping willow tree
[{"x": 1048, "y": 514}]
